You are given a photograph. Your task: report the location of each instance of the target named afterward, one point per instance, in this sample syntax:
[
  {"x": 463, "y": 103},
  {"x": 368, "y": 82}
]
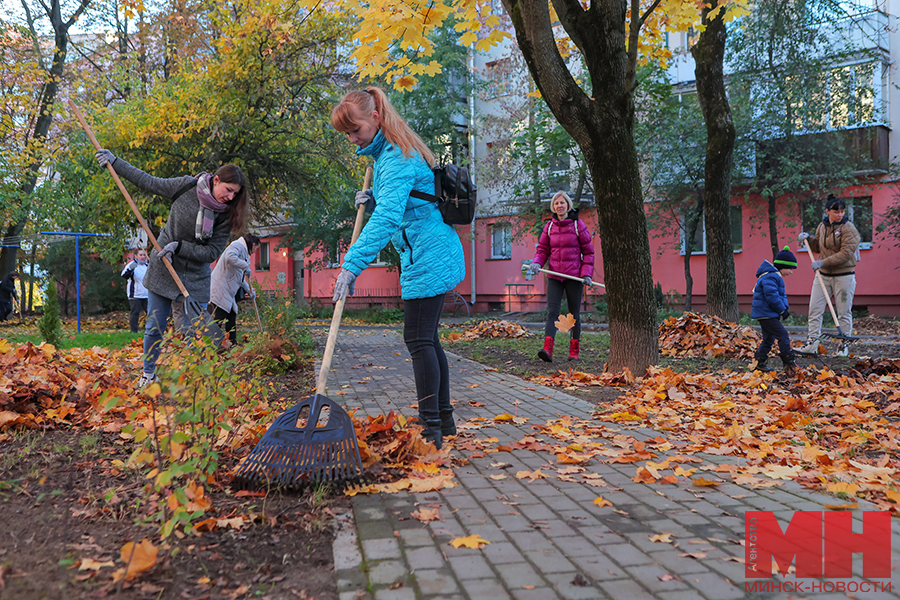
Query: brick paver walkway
[{"x": 547, "y": 538}]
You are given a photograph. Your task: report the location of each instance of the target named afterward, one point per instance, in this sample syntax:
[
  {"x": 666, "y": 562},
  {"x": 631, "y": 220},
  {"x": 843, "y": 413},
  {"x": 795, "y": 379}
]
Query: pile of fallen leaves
[
  {"x": 577, "y": 379},
  {"x": 489, "y": 329},
  {"x": 396, "y": 457},
  {"x": 877, "y": 326},
  {"x": 41, "y": 386},
  {"x": 694, "y": 334}
]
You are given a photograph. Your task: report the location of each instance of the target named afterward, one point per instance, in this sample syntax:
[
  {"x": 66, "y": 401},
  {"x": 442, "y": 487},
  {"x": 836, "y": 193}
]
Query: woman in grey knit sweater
[{"x": 206, "y": 211}]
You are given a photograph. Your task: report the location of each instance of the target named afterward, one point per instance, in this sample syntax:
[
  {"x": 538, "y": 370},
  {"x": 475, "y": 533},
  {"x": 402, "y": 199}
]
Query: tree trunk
[
  {"x": 45, "y": 111},
  {"x": 694, "y": 217},
  {"x": 709, "y": 52},
  {"x": 773, "y": 223},
  {"x": 8, "y": 255},
  {"x": 31, "y": 278},
  {"x": 602, "y": 125}
]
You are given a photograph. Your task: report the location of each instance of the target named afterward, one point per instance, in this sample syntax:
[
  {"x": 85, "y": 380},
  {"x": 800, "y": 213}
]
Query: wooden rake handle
[
  {"x": 572, "y": 277},
  {"x": 339, "y": 306},
  {"x": 77, "y": 112},
  {"x": 824, "y": 289}
]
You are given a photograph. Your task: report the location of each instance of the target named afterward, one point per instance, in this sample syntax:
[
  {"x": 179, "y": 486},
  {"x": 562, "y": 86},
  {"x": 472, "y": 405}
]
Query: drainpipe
[{"x": 472, "y": 141}]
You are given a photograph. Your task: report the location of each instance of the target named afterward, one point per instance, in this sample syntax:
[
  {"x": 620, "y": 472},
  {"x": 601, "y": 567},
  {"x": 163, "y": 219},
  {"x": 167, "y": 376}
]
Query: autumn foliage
[
  {"x": 695, "y": 334},
  {"x": 489, "y": 330}
]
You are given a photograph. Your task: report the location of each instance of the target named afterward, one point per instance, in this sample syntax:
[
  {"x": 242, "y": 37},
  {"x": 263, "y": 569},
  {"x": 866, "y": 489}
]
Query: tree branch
[{"x": 649, "y": 10}]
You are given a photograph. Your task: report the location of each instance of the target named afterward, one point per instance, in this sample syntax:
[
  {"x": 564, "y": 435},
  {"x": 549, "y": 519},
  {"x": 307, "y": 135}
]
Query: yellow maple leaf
[
  {"x": 531, "y": 475},
  {"x": 565, "y": 322},
  {"x": 663, "y": 538},
  {"x": 137, "y": 558},
  {"x": 473, "y": 541},
  {"x": 427, "y": 514},
  {"x": 601, "y": 502},
  {"x": 89, "y": 564},
  {"x": 842, "y": 487}
]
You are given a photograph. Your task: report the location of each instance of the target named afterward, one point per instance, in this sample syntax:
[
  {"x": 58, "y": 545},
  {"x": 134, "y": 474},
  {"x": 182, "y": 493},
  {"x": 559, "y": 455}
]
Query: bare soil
[{"x": 62, "y": 501}]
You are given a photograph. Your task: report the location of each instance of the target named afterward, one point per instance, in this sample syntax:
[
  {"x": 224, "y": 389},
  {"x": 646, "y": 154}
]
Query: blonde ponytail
[{"x": 393, "y": 127}]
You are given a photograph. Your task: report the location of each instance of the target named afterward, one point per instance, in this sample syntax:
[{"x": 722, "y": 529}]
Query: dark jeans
[
  {"x": 555, "y": 289},
  {"x": 5, "y": 309},
  {"x": 420, "y": 332},
  {"x": 773, "y": 330},
  {"x": 226, "y": 320},
  {"x": 137, "y": 305}
]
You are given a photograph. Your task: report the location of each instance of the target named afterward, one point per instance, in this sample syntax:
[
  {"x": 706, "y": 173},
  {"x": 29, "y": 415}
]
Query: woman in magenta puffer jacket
[{"x": 566, "y": 243}]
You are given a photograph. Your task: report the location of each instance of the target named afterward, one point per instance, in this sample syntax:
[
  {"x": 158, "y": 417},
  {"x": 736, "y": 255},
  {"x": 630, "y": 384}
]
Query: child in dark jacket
[{"x": 770, "y": 306}]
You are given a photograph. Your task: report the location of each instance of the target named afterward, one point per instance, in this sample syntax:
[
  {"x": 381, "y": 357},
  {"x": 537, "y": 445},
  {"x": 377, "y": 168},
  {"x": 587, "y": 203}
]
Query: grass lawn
[{"x": 112, "y": 340}]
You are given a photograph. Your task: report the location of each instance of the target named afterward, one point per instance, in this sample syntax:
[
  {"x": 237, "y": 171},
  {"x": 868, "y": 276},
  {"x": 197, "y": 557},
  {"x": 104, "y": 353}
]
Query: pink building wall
[
  {"x": 500, "y": 284},
  {"x": 877, "y": 273}
]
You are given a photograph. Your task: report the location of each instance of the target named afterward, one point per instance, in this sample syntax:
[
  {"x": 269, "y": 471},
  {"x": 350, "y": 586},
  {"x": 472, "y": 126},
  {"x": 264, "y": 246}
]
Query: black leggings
[
  {"x": 137, "y": 305},
  {"x": 227, "y": 320},
  {"x": 555, "y": 289},
  {"x": 420, "y": 332}
]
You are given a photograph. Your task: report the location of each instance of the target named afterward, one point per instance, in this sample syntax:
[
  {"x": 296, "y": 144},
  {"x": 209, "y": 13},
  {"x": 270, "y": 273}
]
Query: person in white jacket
[
  {"x": 227, "y": 277},
  {"x": 134, "y": 272}
]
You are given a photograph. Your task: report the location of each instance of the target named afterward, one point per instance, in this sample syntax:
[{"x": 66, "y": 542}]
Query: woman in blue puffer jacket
[{"x": 431, "y": 255}]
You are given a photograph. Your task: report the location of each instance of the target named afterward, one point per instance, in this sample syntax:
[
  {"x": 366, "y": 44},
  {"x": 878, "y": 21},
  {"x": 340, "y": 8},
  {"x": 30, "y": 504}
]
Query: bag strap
[
  {"x": 424, "y": 196},
  {"x": 185, "y": 188}
]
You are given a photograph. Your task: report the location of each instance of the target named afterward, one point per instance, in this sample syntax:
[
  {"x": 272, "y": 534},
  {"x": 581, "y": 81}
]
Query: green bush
[
  {"x": 203, "y": 400},
  {"x": 49, "y": 324},
  {"x": 282, "y": 346}
]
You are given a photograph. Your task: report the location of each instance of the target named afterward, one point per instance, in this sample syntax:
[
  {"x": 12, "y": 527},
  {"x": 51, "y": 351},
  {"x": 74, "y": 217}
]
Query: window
[
  {"x": 501, "y": 241},
  {"x": 263, "y": 263},
  {"x": 737, "y": 233},
  {"x": 859, "y": 211},
  {"x": 379, "y": 260},
  {"x": 558, "y": 176},
  {"x": 334, "y": 256}
]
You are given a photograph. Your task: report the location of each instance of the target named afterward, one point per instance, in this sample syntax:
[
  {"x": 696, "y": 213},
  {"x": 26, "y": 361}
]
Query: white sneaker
[
  {"x": 810, "y": 348},
  {"x": 146, "y": 379},
  {"x": 844, "y": 350}
]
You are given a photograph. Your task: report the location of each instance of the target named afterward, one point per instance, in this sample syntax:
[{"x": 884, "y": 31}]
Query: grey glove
[
  {"x": 803, "y": 235},
  {"x": 344, "y": 285},
  {"x": 105, "y": 157},
  {"x": 365, "y": 197},
  {"x": 588, "y": 282},
  {"x": 534, "y": 268},
  {"x": 816, "y": 265},
  {"x": 169, "y": 250}
]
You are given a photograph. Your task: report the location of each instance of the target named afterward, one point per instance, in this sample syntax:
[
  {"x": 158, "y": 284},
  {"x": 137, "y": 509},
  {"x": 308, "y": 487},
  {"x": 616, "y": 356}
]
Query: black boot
[
  {"x": 432, "y": 433},
  {"x": 448, "y": 425},
  {"x": 790, "y": 365},
  {"x": 761, "y": 364}
]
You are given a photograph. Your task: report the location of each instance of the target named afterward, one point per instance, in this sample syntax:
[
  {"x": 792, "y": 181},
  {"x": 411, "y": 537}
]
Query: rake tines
[{"x": 293, "y": 455}]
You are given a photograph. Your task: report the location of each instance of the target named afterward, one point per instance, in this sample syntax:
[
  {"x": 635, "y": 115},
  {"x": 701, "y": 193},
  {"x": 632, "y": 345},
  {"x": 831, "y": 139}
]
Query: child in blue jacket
[{"x": 770, "y": 306}]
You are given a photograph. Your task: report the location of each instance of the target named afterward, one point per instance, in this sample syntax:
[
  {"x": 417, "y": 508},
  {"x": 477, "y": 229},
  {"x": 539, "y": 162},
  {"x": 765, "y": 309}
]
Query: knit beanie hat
[{"x": 785, "y": 259}]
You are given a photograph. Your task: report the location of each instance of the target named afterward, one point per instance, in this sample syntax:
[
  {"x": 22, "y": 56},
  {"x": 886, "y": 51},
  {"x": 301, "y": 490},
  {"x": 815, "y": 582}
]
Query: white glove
[
  {"x": 534, "y": 268},
  {"x": 803, "y": 235},
  {"x": 344, "y": 285},
  {"x": 105, "y": 157},
  {"x": 169, "y": 250},
  {"x": 365, "y": 197},
  {"x": 588, "y": 282}
]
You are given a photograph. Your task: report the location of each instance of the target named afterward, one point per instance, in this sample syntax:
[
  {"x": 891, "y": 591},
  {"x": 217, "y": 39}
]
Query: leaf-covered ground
[{"x": 834, "y": 426}]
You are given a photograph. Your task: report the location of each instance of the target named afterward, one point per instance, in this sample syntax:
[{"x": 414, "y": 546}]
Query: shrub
[
  {"x": 49, "y": 324},
  {"x": 204, "y": 405}
]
